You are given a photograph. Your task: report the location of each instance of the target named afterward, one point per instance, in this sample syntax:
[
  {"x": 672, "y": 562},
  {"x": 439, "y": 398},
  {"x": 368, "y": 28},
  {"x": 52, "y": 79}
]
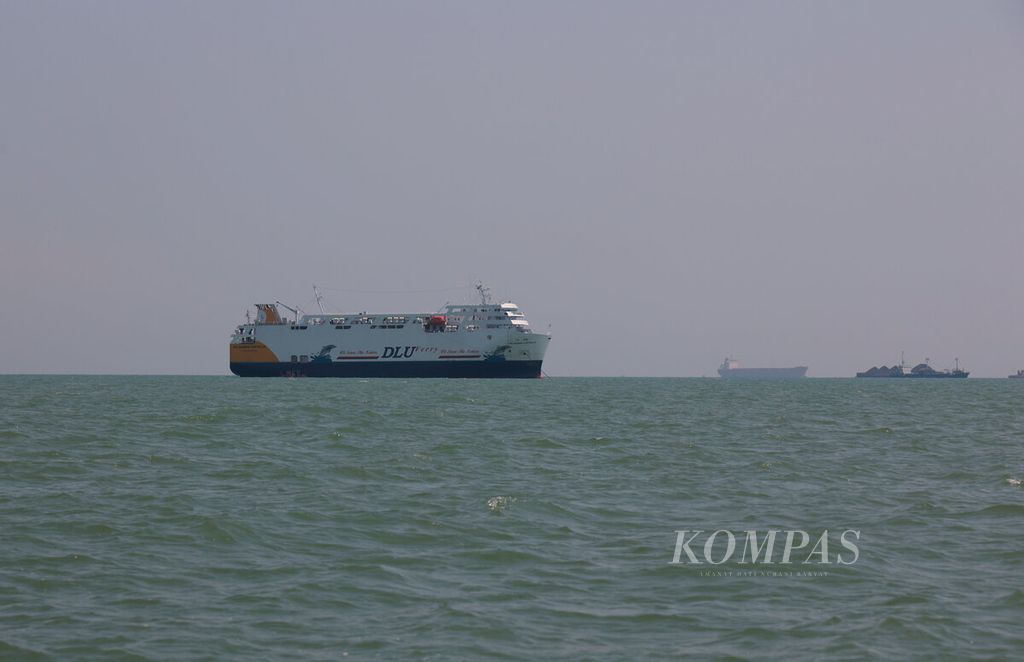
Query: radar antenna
[
  {"x": 485, "y": 293},
  {"x": 319, "y": 299}
]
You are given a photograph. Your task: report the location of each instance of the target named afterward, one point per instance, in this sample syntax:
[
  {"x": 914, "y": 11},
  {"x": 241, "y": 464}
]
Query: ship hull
[
  {"x": 763, "y": 373},
  {"x": 940, "y": 375},
  {"x": 398, "y": 369}
]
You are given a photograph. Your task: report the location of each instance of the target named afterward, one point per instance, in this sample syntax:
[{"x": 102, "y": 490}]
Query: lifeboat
[{"x": 437, "y": 320}]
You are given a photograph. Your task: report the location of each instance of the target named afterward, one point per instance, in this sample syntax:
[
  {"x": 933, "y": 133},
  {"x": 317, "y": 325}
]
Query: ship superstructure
[{"x": 470, "y": 340}]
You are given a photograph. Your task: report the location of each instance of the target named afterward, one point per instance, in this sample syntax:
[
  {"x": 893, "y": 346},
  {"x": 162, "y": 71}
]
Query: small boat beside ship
[{"x": 730, "y": 369}]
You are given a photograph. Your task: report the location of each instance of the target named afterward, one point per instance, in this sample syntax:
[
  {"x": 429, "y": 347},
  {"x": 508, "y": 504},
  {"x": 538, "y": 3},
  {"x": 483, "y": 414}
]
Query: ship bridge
[{"x": 491, "y": 316}]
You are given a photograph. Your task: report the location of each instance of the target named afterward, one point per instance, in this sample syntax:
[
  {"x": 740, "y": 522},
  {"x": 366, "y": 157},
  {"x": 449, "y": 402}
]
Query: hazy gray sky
[{"x": 819, "y": 183}]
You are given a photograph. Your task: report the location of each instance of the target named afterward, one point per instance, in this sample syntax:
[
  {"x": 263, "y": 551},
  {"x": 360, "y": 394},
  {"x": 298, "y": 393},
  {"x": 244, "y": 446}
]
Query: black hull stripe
[{"x": 401, "y": 369}]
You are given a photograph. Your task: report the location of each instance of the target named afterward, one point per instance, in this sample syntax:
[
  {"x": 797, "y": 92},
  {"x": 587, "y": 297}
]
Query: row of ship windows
[
  {"x": 450, "y": 328},
  {"x": 303, "y": 327},
  {"x": 392, "y": 321},
  {"x": 388, "y": 322},
  {"x": 452, "y": 311}
]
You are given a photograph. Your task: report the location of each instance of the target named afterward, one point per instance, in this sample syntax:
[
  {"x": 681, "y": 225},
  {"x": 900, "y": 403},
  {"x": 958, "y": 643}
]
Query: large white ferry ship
[{"x": 471, "y": 340}]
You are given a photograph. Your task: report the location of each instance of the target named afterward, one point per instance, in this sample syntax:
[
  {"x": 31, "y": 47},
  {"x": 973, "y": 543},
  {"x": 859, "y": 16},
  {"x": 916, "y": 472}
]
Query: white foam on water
[{"x": 498, "y": 504}]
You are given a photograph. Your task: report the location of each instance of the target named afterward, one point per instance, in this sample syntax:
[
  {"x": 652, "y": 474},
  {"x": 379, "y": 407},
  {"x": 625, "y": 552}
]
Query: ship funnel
[{"x": 266, "y": 313}]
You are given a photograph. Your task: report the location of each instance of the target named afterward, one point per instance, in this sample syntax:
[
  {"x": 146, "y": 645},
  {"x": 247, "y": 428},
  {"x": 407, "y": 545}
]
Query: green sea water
[{"x": 228, "y": 519}]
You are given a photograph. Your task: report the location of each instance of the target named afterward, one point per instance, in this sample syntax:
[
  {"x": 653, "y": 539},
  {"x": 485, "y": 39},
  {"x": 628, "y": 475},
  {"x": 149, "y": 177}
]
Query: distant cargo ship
[
  {"x": 730, "y": 369},
  {"x": 920, "y": 371},
  {"x": 1019, "y": 375}
]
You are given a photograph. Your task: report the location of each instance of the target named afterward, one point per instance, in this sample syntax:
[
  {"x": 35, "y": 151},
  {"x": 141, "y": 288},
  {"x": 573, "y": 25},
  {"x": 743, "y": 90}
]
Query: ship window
[{"x": 344, "y": 326}]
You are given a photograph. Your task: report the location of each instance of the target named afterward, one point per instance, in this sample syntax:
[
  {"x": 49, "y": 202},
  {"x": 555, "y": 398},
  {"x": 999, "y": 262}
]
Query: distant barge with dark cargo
[{"x": 919, "y": 371}]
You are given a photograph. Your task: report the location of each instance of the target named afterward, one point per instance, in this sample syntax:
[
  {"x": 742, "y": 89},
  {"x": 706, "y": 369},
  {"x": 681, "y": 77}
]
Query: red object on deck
[{"x": 437, "y": 320}]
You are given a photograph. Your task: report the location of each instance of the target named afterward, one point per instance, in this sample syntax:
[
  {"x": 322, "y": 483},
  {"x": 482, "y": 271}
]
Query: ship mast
[
  {"x": 319, "y": 299},
  {"x": 294, "y": 311},
  {"x": 485, "y": 293}
]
